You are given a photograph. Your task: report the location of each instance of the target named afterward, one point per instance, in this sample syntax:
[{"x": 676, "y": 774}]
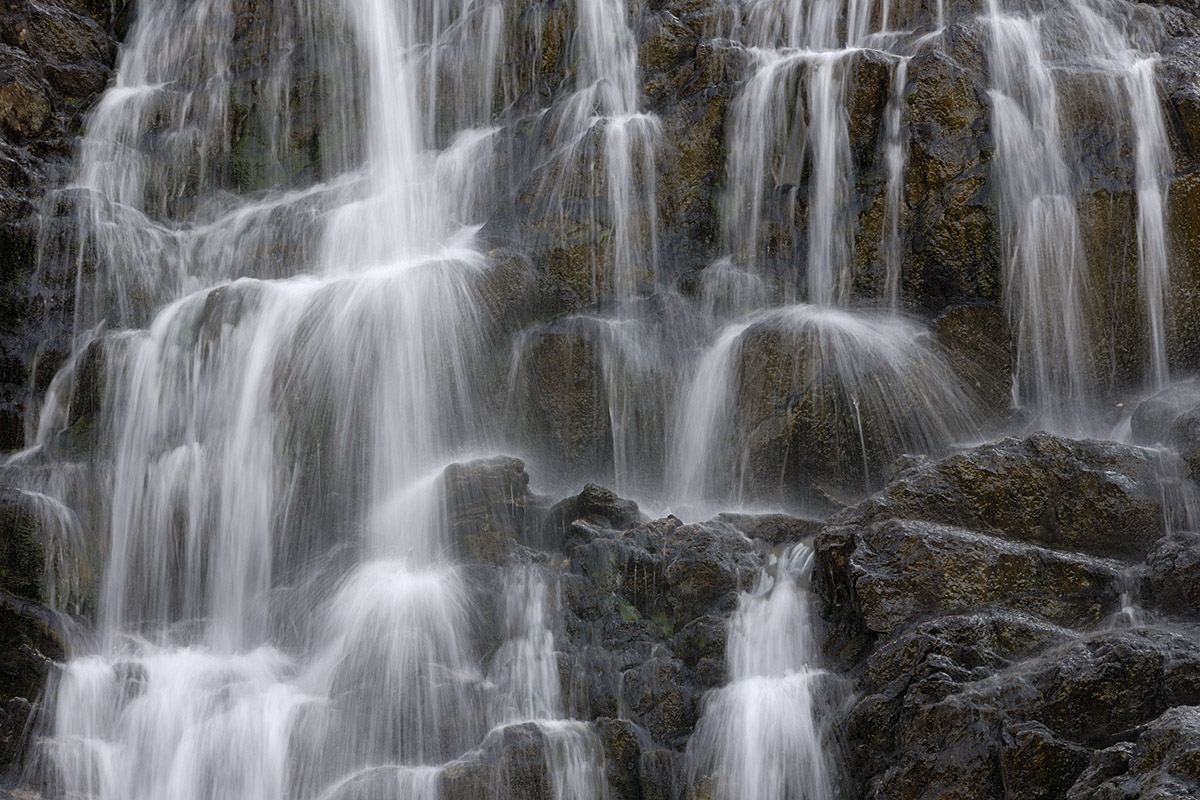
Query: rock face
[
  {"x": 1094, "y": 497},
  {"x": 993, "y": 662},
  {"x": 30, "y": 638},
  {"x": 55, "y": 59}
]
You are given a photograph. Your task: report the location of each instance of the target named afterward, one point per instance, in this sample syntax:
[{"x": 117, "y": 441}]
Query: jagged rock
[
  {"x": 487, "y": 504},
  {"x": 899, "y": 572},
  {"x": 29, "y": 644},
  {"x": 646, "y": 615},
  {"x": 1095, "y": 497},
  {"x": 951, "y": 732},
  {"x": 1164, "y": 762},
  {"x": 595, "y": 505},
  {"x": 1174, "y": 578}
]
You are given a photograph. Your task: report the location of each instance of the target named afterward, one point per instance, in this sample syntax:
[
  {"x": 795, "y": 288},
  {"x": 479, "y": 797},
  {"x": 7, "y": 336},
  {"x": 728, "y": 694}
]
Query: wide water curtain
[{"x": 377, "y": 300}]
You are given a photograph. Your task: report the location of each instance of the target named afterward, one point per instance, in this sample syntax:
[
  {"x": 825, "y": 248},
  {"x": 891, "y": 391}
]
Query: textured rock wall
[{"x": 55, "y": 60}]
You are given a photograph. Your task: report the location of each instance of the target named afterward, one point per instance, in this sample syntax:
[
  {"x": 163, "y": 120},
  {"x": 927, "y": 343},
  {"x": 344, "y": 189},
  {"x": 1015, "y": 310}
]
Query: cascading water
[
  {"x": 1048, "y": 278},
  {"x": 764, "y": 736},
  {"x": 293, "y": 338}
]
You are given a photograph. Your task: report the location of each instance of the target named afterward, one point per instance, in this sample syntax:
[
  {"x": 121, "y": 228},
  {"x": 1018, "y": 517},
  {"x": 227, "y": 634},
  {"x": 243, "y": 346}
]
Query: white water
[
  {"x": 897, "y": 159},
  {"x": 763, "y": 736},
  {"x": 300, "y": 350},
  {"x": 879, "y": 375}
]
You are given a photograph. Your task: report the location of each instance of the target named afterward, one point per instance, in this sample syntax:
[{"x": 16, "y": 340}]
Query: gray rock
[{"x": 1094, "y": 497}]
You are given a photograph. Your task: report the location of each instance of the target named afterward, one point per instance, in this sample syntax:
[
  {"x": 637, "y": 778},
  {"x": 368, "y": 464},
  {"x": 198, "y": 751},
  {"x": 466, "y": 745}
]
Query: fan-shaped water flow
[
  {"x": 844, "y": 392},
  {"x": 764, "y": 736}
]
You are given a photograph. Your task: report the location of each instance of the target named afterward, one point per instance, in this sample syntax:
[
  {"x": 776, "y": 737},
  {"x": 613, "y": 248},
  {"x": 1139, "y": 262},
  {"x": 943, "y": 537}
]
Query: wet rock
[
  {"x": 1174, "y": 578},
  {"x": 953, "y": 243},
  {"x": 1183, "y": 232},
  {"x": 691, "y": 162},
  {"x": 1164, "y": 762},
  {"x": 54, "y": 60},
  {"x": 22, "y": 560},
  {"x": 635, "y": 766},
  {"x": 487, "y": 503},
  {"x": 809, "y": 413},
  {"x": 868, "y": 88},
  {"x": 29, "y": 644},
  {"x": 24, "y": 109},
  {"x": 568, "y": 410},
  {"x": 1028, "y": 729},
  {"x": 1172, "y": 417},
  {"x": 900, "y": 572},
  {"x": 595, "y": 505},
  {"x": 522, "y": 763},
  {"x": 773, "y": 529},
  {"x": 1095, "y": 497},
  {"x": 978, "y": 341},
  {"x": 646, "y": 611},
  {"x": 467, "y": 779}
]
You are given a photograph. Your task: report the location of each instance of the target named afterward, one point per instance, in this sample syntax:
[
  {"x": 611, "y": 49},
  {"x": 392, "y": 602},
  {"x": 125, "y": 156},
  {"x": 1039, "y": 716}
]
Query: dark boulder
[
  {"x": 30, "y": 643},
  {"x": 1100, "y": 498},
  {"x": 487, "y": 506},
  {"x": 899, "y": 572},
  {"x": 1164, "y": 762},
  {"x": 1174, "y": 576}
]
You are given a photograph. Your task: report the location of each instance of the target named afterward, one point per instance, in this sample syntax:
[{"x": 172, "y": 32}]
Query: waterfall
[
  {"x": 763, "y": 736},
  {"x": 328, "y": 249}
]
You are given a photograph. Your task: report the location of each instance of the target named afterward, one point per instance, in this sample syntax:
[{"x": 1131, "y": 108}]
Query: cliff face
[
  {"x": 1016, "y": 620},
  {"x": 57, "y": 59}
]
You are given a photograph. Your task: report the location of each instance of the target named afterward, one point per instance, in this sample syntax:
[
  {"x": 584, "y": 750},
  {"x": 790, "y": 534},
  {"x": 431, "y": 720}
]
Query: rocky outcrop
[
  {"x": 1093, "y": 497},
  {"x": 993, "y": 663},
  {"x": 641, "y": 626}
]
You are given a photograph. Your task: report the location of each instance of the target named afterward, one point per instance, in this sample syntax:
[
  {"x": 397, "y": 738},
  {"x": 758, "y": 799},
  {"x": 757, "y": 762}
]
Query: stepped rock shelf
[{"x": 582, "y": 399}]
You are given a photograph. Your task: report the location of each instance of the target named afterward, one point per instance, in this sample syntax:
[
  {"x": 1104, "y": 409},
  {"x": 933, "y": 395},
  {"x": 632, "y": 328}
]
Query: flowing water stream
[{"x": 293, "y": 349}]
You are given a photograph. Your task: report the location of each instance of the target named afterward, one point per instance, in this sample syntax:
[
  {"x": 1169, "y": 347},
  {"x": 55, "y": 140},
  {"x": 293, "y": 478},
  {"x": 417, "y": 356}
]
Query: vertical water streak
[
  {"x": 1152, "y": 160},
  {"x": 896, "y": 155},
  {"x": 829, "y": 223},
  {"x": 1043, "y": 262},
  {"x": 703, "y": 421}
]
